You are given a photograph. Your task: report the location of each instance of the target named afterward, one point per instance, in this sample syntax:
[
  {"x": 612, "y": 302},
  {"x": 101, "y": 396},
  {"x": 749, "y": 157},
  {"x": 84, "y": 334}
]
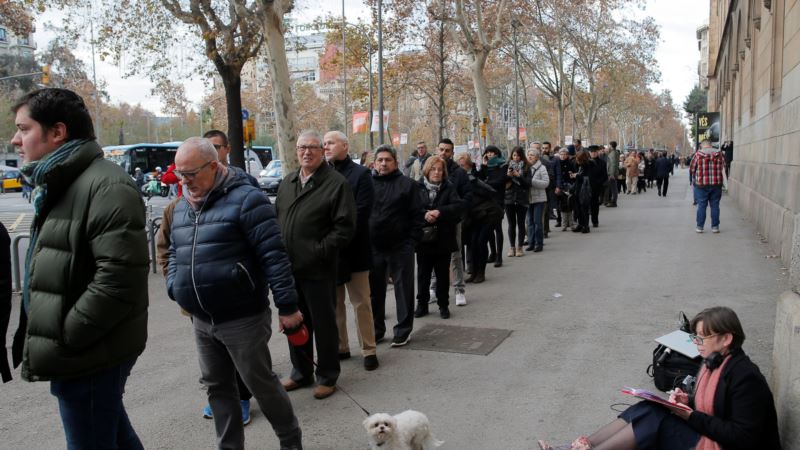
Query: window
[
  {"x": 24, "y": 40},
  {"x": 3, "y": 37}
]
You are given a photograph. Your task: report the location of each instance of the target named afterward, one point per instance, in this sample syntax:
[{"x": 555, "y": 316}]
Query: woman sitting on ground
[{"x": 732, "y": 406}]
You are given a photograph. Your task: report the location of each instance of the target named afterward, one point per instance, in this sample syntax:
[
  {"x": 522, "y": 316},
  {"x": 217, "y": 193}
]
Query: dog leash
[{"x": 301, "y": 352}]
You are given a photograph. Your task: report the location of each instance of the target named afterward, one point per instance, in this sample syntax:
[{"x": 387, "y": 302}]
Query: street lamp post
[
  {"x": 515, "y": 24},
  {"x": 369, "y": 50},
  {"x": 380, "y": 72},
  {"x": 344, "y": 70}
]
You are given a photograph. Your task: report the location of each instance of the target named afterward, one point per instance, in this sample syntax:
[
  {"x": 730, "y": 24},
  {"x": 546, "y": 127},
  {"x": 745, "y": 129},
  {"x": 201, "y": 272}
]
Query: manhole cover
[{"x": 453, "y": 339}]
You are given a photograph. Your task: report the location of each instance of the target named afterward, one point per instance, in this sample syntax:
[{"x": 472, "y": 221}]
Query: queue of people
[{"x": 337, "y": 231}]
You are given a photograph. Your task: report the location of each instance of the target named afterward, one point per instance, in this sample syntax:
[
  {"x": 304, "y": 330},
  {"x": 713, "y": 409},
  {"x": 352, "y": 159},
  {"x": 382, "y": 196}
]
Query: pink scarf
[{"x": 707, "y": 383}]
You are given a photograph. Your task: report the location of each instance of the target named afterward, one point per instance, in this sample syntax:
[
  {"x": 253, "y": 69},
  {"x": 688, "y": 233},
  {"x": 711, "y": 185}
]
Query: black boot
[
  {"x": 422, "y": 309},
  {"x": 491, "y": 258},
  {"x": 480, "y": 277},
  {"x": 499, "y": 260}
]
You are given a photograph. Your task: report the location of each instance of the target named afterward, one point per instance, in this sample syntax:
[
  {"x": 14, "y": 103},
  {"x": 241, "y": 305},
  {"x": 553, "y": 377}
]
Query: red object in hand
[{"x": 298, "y": 335}]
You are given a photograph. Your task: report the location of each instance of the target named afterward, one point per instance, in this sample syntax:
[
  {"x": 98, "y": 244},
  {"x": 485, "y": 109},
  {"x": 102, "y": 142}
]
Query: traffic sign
[{"x": 245, "y": 114}]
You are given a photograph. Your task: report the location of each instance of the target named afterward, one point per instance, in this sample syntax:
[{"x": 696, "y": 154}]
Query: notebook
[{"x": 680, "y": 342}]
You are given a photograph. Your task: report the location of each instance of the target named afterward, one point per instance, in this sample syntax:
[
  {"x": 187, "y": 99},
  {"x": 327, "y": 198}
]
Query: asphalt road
[{"x": 583, "y": 316}]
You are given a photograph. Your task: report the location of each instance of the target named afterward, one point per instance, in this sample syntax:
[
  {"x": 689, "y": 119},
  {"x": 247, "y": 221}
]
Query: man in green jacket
[
  {"x": 84, "y": 294},
  {"x": 317, "y": 215}
]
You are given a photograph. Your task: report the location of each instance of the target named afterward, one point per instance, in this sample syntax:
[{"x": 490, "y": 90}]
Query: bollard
[{"x": 15, "y": 268}]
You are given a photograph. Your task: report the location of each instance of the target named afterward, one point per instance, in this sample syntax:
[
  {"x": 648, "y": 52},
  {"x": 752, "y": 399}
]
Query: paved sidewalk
[{"x": 554, "y": 377}]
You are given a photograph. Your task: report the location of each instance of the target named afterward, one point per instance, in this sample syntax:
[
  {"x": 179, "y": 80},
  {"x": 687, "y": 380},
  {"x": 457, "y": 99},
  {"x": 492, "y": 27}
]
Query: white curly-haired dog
[{"x": 409, "y": 430}]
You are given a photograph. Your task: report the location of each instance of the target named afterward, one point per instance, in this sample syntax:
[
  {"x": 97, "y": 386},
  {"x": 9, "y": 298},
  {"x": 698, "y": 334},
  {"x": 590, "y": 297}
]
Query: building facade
[
  {"x": 754, "y": 82},
  {"x": 13, "y": 44}
]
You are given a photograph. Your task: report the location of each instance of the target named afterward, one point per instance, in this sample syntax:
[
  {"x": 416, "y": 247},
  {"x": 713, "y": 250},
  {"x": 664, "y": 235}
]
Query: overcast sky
[{"x": 677, "y": 52}]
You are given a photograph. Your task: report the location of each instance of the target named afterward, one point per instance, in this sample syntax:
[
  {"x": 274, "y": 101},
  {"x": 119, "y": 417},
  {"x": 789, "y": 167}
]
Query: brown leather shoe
[
  {"x": 321, "y": 391},
  {"x": 291, "y": 385}
]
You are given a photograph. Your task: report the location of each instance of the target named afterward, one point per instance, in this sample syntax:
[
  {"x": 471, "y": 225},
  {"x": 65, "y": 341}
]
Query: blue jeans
[
  {"x": 535, "y": 225},
  {"x": 705, "y": 195},
  {"x": 92, "y": 411}
]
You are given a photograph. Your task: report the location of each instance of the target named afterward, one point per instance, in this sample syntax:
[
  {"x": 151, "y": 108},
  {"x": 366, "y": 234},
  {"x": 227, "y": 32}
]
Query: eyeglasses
[
  {"x": 305, "y": 148},
  {"x": 189, "y": 175},
  {"x": 698, "y": 340},
  {"x": 218, "y": 146}
]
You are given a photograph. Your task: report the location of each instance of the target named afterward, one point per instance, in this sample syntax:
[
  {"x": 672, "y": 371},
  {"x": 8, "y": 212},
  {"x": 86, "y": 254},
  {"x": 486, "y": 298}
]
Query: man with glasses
[
  {"x": 226, "y": 250},
  {"x": 317, "y": 215},
  {"x": 220, "y": 142}
]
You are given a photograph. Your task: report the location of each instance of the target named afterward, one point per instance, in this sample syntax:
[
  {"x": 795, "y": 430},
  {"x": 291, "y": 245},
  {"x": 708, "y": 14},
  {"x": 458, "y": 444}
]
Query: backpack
[{"x": 670, "y": 368}]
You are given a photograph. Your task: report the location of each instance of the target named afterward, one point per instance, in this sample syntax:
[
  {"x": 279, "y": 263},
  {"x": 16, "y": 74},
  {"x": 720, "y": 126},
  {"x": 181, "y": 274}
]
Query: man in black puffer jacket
[
  {"x": 226, "y": 251},
  {"x": 395, "y": 227}
]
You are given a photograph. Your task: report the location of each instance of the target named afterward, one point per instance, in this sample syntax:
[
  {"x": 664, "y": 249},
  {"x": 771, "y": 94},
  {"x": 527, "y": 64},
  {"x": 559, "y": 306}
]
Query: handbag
[
  {"x": 429, "y": 234},
  {"x": 670, "y": 368}
]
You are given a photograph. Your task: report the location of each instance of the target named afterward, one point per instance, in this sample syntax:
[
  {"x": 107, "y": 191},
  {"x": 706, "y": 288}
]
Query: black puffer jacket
[
  {"x": 397, "y": 213},
  {"x": 224, "y": 255},
  {"x": 496, "y": 177},
  {"x": 449, "y": 204}
]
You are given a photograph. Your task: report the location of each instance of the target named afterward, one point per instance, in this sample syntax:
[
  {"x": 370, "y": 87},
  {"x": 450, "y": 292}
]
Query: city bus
[{"x": 149, "y": 156}]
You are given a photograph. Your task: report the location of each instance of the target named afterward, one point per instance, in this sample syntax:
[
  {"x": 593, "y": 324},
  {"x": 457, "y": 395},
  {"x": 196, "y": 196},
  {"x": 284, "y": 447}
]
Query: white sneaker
[
  {"x": 460, "y": 299},
  {"x": 698, "y": 229},
  {"x": 715, "y": 230}
]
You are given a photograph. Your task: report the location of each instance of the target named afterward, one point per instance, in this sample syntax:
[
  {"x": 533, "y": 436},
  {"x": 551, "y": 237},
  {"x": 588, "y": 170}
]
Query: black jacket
[
  {"x": 356, "y": 257},
  {"x": 459, "y": 178},
  {"x": 396, "y": 215},
  {"x": 567, "y": 166},
  {"x": 597, "y": 174},
  {"x": 496, "y": 177},
  {"x": 649, "y": 168},
  {"x": 225, "y": 254},
  {"x": 5, "y": 298},
  {"x": 449, "y": 205},
  {"x": 517, "y": 192},
  {"x": 663, "y": 167},
  {"x": 317, "y": 221},
  {"x": 744, "y": 412}
]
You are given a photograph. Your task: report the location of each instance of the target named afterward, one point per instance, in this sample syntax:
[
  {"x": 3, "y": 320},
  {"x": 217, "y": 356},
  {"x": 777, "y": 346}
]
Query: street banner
[
  {"x": 568, "y": 139},
  {"x": 375, "y": 119},
  {"x": 708, "y": 127},
  {"x": 523, "y": 135},
  {"x": 395, "y": 139},
  {"x": 403, "y": 138},
  {"x": 360, "y": 122}
]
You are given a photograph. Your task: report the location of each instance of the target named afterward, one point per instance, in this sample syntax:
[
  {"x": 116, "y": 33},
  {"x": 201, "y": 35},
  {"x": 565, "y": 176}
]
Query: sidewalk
[{"x": 553, "y": 378}]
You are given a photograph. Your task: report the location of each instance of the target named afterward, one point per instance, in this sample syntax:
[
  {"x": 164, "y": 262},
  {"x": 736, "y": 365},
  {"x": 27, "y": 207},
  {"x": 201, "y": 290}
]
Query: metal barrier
[
  {"x": 15, "y": 267},
  {"x": 152, "y": 229}
]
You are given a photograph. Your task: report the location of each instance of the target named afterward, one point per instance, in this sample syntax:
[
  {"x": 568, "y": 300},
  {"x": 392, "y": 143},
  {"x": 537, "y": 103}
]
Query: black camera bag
[{"x": 669, "y": 368}]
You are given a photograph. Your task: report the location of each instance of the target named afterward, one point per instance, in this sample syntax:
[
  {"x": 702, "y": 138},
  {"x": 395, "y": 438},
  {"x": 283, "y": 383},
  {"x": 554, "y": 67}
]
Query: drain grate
[{"x": 454, "y": 339}]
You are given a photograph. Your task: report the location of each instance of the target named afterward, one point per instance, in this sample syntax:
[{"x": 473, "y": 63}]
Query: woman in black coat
[
  {"x": 731, "y": 407},
  {"x": 494, "y": 172},
  {"x": 583, "y": 187},
  {"x": 442, "y": 211},
  {"x": 516, "y": 199}
]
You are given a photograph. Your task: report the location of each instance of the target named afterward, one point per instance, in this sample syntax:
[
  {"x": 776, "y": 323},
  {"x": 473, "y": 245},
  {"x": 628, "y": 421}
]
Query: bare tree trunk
[
  {"x": 479, "y": 83},
  {"x": 232, "y": 83},
  {"x": 561, "y": 120},
  {"x": 285, "y": 115}
]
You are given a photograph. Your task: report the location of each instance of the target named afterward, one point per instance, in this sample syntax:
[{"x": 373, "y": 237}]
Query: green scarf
[
  {"x": 496, "y": 161},
  {"x": 35, "y": 173}
]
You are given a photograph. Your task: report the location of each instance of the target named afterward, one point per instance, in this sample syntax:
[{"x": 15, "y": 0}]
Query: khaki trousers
[{"x": 358, "y": 292}]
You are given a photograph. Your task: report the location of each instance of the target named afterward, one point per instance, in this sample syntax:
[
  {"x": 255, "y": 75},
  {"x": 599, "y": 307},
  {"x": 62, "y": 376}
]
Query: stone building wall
[{"x": 754, "y": 82}]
